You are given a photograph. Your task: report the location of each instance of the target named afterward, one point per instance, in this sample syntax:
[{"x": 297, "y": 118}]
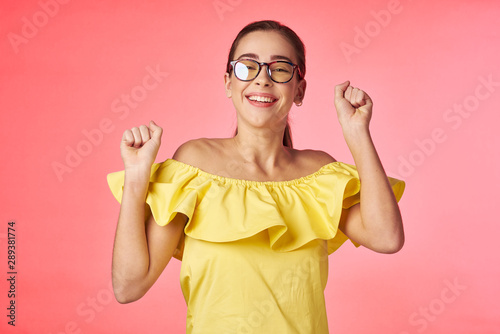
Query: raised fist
[{"x": 140, "y": 145}]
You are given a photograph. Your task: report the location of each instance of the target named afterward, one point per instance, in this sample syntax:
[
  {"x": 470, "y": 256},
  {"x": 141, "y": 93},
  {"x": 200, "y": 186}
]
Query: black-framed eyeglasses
[{"x": 279, "y": 71}]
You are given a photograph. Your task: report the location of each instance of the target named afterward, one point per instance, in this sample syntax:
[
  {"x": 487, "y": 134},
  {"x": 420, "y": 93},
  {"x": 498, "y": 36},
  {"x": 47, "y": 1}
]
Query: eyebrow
[{"x": 273, "y": 57}]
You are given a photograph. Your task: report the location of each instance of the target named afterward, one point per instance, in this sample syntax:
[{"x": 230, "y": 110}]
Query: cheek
[
  {"x": 285, "y": 104},
  {"x": 289, "y": 95},
  {"x": 238, "y": 87}
]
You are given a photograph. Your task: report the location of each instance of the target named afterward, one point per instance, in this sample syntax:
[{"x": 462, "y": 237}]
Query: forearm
[
  {"x": 380, "y": 215},
  {"x": 130, "y": 252}
]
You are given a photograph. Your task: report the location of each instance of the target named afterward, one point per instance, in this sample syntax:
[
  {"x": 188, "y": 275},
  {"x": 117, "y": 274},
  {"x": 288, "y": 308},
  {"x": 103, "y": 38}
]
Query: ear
[
  {"x": 300, "y": 91},
  {"x": 227, "y": 84}
]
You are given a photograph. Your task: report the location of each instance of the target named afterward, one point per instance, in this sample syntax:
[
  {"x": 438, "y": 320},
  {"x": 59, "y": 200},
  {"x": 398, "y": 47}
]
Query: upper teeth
[{"x": 260, "y": 98}]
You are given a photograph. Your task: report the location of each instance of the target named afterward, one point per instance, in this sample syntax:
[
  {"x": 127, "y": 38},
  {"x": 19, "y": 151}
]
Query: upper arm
[
  {"x": 352, "y": 226},
  {"x": 162, "y": 244}
]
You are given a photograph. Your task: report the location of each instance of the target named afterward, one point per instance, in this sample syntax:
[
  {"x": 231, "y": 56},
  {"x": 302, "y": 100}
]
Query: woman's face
[{"x": 264, "y": 46}]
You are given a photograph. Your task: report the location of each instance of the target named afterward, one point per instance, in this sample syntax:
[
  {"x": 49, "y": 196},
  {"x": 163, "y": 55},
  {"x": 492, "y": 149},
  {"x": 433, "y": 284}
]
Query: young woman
[{"x": 253, "y": 219}]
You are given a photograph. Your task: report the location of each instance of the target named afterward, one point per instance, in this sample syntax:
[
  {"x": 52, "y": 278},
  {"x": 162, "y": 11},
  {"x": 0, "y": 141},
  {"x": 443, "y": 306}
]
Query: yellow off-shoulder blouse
[{"x": 254, "y": 254}]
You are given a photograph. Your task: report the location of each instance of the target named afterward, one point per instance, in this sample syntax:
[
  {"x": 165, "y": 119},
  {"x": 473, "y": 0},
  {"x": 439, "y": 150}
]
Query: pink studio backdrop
[{"x": 76, "y": 74}]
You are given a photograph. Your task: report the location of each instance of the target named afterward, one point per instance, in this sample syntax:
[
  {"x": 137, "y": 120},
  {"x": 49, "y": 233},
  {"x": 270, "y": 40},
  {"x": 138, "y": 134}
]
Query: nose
[{"x": 263, "y": 78}]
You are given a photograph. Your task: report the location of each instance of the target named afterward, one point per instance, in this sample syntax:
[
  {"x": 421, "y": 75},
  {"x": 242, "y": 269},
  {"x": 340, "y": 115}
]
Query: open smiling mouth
[{"x": 261, "y": 101}]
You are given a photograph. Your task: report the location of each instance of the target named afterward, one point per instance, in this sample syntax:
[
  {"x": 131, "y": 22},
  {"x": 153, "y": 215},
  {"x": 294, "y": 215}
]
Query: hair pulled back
[{"x": 291, "y": 37}]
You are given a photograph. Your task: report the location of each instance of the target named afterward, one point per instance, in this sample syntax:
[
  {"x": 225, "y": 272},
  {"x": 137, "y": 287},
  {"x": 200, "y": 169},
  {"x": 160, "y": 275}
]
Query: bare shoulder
[
  {"x": 312, "y": 160},
  {"x": 195, "y": 152}
]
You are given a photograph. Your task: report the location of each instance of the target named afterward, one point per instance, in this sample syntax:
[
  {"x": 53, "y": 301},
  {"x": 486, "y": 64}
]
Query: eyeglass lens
[{"x": 248, "y": 69}]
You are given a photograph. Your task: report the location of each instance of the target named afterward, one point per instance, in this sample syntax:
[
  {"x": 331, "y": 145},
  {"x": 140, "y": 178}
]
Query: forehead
[{"x": 265, "y": 44}]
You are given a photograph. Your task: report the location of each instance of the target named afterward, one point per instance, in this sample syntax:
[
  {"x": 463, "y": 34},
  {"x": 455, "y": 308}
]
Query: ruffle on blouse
[{"x": 221, "y": 209}]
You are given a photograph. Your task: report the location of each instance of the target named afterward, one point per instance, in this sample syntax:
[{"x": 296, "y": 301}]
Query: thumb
[
  {"x": 156, "y": 131},
  {"x": 340, "y": 89}
]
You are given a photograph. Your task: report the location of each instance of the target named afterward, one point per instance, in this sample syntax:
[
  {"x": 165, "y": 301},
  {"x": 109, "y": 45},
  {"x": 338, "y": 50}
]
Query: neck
[{"x": 263, "y": 147}]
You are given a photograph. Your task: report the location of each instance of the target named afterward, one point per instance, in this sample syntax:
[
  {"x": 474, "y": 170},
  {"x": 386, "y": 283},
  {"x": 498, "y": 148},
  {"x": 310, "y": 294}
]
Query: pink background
[{"x": 65, "y": 69}]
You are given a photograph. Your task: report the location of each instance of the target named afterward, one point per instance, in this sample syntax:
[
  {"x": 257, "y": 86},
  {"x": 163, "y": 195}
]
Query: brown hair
[{"x": 292, "y": 38}]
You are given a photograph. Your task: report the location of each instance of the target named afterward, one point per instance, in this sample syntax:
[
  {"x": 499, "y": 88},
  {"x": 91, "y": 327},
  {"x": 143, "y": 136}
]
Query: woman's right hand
[{"x": 139, "y": 146}]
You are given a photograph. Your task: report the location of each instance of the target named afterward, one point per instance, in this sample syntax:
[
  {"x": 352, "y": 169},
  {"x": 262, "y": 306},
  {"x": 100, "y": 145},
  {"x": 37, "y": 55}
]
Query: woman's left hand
[{"x": 354, "y": 107}]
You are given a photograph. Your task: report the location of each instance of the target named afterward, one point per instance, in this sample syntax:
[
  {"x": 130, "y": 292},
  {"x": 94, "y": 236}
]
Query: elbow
[
  {"x": 124, "y": 298},
  {"x": 391, "y": 247},
  {"x": 391, "y": 244},
  {"x": 126, "y": 293},
  {"x": 391, "y": 240},
  {"x": 387, "y": 243}
]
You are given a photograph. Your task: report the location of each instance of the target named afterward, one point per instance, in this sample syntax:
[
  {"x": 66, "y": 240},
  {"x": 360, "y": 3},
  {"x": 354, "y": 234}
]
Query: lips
[{"x": 261, "y": 99}]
